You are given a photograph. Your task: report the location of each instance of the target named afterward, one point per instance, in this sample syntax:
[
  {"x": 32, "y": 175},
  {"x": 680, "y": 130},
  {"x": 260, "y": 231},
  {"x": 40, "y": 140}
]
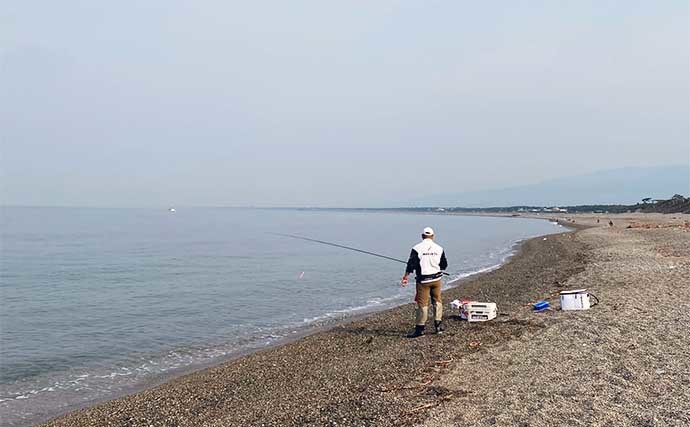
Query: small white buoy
[{"x": 301, "y": 275}]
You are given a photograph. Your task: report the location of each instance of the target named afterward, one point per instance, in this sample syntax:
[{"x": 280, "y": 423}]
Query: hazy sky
[{"x": 349, "y": 103}]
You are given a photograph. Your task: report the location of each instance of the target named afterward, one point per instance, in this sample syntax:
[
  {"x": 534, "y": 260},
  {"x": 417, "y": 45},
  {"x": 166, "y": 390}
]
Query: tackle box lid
[{"x": 574, "y": 291}]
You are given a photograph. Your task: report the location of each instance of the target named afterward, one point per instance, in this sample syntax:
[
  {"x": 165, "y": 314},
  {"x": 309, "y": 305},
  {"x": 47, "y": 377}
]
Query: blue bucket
[{"x": 541, "y": 306}]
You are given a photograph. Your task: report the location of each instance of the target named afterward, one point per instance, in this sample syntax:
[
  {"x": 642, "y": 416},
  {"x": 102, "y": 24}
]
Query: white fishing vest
[{"x": 429, "y": 253}]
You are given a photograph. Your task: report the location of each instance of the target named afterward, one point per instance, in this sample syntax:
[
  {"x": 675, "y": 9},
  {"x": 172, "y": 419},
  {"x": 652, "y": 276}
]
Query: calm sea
[{"x": 97, "y": 302}]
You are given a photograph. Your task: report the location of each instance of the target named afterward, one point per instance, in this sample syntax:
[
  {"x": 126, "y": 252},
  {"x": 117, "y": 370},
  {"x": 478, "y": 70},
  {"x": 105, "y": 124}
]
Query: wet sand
[{"x": 600, "y": 367}]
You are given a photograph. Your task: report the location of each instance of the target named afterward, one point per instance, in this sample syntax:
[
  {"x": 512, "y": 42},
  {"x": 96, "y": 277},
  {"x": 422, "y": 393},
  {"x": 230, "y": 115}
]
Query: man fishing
[{"x": 427, "y": 260}]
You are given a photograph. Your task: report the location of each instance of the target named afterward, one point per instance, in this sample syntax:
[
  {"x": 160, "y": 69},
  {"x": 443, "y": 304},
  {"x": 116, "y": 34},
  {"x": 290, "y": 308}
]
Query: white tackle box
[
  {"x": 480, "y": 311},
  {"x": 475, "y": 311}
]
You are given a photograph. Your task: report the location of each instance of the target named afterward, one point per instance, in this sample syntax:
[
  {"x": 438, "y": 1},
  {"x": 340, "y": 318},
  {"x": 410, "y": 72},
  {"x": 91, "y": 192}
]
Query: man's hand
[{"x": 403, "y": 282}]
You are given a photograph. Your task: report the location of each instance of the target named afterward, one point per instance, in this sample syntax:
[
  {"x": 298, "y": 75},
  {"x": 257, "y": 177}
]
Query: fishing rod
[{"x": 345, "y": 247}]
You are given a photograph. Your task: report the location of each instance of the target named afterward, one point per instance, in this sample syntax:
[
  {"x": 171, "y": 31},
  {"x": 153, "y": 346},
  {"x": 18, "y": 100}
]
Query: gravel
[{"x": 625, "y": 362}]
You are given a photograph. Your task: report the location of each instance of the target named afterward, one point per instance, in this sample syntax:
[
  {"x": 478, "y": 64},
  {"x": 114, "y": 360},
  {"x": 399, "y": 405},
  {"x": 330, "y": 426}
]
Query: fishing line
[{"x": 293, "y": 236}]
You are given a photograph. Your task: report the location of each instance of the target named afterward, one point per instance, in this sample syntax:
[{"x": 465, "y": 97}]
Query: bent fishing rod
[{"x": 293, "y": 236}]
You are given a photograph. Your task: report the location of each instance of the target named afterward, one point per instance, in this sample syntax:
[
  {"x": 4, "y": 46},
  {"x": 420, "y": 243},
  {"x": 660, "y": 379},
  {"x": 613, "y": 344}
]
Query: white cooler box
[
  {"x": 474, "y": 311},
  {"x": 480, "y": 311}
]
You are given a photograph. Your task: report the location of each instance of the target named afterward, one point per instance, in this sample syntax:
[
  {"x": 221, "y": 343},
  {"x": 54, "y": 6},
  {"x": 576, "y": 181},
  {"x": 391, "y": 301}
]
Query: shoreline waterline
[
  {"x": 308, "y": 331},
  {"x": 366, "y": 349},
  {"x": 325, "y": 323},
  {"x": 294, "y": 332}
]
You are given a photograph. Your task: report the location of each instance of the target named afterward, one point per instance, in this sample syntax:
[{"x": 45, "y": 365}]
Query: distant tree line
[{"x": 676, "y": 204}]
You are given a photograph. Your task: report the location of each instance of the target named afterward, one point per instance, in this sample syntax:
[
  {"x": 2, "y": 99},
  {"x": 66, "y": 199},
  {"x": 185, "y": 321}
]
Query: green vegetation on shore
[{"x": 676, "y": 204}]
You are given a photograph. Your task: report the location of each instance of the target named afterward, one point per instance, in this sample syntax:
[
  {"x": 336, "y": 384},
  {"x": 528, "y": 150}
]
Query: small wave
[
  {"x": 504, "y": 258},
  {"x": 369, "y": 305},
  {"x": 114, "y": 374},
  {"x": 475, "y": 272}
]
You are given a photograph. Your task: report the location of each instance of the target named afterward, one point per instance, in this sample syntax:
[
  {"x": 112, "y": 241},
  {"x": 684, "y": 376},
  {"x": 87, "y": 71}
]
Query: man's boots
[
  {"x": 439, "y": 327},
  {"x": 418, "y": 332}
]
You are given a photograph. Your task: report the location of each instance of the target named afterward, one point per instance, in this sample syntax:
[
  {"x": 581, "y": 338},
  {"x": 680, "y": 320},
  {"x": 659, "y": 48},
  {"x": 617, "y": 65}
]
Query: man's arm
[{"x": 412, "y": 263}]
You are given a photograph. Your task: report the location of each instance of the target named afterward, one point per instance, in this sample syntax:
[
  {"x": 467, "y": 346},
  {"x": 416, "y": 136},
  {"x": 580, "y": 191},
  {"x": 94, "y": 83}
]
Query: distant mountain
[{"x": 618, "y": 186}]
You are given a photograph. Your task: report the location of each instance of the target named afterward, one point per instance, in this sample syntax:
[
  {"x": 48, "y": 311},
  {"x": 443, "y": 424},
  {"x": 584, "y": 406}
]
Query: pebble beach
[{"x": 624, "y": 362}]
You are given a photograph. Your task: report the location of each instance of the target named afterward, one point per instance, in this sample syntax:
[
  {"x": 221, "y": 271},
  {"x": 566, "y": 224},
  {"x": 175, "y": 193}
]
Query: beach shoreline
[
  {"x": 289, "y": 336},
  {"x": 340, "y": 323},
  {"x": 327, "y": 369}
]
